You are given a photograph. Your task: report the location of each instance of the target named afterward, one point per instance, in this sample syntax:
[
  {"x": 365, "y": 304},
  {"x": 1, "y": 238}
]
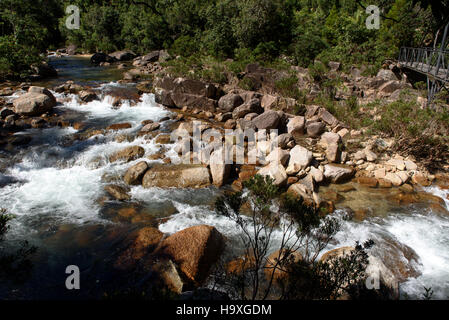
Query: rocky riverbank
[{"x": 317, "y": 156}]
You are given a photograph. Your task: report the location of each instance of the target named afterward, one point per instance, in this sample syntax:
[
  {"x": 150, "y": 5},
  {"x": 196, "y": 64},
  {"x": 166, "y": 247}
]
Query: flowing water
[{"x": 54, "y": 187}]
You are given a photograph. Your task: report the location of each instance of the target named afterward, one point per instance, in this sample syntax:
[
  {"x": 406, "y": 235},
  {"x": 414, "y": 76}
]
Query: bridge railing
[{"x": 426, "y": 60}]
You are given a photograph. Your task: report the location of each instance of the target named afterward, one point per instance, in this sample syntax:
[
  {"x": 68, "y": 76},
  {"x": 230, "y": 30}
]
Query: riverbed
[{"x": 54, "y": 187}]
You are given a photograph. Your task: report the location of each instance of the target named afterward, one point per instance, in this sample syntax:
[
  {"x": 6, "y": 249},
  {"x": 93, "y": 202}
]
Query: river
[{"x": 54, "y": 187}]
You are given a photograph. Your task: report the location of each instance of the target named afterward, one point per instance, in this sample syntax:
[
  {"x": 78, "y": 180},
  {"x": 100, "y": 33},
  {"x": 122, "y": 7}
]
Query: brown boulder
[
  {"x": 194, "y": 250},
  {"x": 128, "y": 154},
  {"x": 277, "y": 262},
  {"x": 176, "y": 176},
  {"x": 34, "y": 104},
  {"x": 327, "y": 117},
  {"x": 134, "y": 174},
  {"x": 367, "y": 181},
  {"x": 146, "y": 240}
]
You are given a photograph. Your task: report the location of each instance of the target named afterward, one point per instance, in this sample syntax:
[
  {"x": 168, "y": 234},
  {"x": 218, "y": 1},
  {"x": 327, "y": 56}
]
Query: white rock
[
  {"x": 370, "y": 155},
  {"x": 399, "y": 164},
  {"x": 359, "y": 155},
  {"x": 317, "y": 174},
  {"x": 328, "y": 138},
  {"x": 279, "y": 156},
  {"x": 218, "y": 168},
  {"x": 343, "y": 132},
  {"x": 296, "y": 125},
  {"x": 264, "y": 146},
  {"x": 380, "y": 173},
  {"x": 300, "y": 158},
  {"x": 393, "y": 178},
  {"x": 403, "y": 175},
  {"x": 410, "y": 165},
  {"x": 276, "y": 171}
]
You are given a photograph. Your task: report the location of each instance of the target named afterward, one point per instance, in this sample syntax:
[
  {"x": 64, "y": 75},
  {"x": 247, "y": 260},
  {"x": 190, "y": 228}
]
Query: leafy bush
[
  {"x": 303, "y": 232},
  {"x": 15, "y": 59}
]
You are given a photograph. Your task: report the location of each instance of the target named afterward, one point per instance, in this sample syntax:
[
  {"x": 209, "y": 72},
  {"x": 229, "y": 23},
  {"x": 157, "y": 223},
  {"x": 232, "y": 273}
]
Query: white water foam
[
  {"x": 65, "y": 181},
  {"x": 103, "y": 110}
]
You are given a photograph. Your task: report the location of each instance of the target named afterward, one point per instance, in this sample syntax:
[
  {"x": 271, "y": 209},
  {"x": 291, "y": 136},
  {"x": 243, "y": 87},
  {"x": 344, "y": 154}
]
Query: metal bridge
[{"x": 433, "y": 63}]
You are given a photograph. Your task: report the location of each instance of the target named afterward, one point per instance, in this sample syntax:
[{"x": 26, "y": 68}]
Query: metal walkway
[{"x": 433, "y": 63}]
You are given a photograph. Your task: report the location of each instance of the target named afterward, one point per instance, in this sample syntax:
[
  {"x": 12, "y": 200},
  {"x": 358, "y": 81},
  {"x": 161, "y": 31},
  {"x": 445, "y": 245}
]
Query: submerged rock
[
  {"x": 145, "y": 241},
  {"x": 117, "y": 192}
]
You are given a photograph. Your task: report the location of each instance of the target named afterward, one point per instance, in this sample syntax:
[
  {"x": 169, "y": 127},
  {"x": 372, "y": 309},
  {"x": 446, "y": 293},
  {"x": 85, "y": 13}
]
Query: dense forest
[{"x": 263, "y": 30}]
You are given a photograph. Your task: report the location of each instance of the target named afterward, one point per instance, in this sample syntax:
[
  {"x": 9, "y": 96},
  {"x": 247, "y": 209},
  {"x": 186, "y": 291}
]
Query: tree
[{"x": 260, "y": 213}]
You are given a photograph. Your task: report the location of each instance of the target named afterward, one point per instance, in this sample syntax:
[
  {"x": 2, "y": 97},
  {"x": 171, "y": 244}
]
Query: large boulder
[
  {"x": 253, "y": 106},
  {"x": 296, "y": 126},
  {"x": 195, "y": 87},
  {"x": 124, "y": 55},
  {"x": 177, "y": 176},
  {"x": 145, "y": 241},
  {"x": 127, "y": 154},
  {"x": 329, "y": 138},
  {"x": 376, "y": 269},
  {"x": 134, "y": 174},
  {"x": 300, "y": 158},
  {"x": 278, "y": 155},
  {"x": 333, "y": 152},
  {"x": 337, "y": 173},
  {"x": 219, "y": 169},
  {"x": 34, "y": 103},
  {"x": 194, "y": 250},
  {"x": 390, "y": 87},
  {"x": 229, "y": 102},
  {"x": 87, "y": 96},
  {"x": 181, "y": 99},
  {"x": 153, "y": 56},
  {"x": 268, "y": 120},
  {"x": 315, "y": 129},
  {"x": 189, "y": 93},
  {"x": 164, "y": 97}
]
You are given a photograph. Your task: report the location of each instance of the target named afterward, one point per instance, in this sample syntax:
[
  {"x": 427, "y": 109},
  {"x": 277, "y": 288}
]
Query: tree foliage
[
  {"x": 269, "y": 220},
  {"x": 302, "y": 29}
]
